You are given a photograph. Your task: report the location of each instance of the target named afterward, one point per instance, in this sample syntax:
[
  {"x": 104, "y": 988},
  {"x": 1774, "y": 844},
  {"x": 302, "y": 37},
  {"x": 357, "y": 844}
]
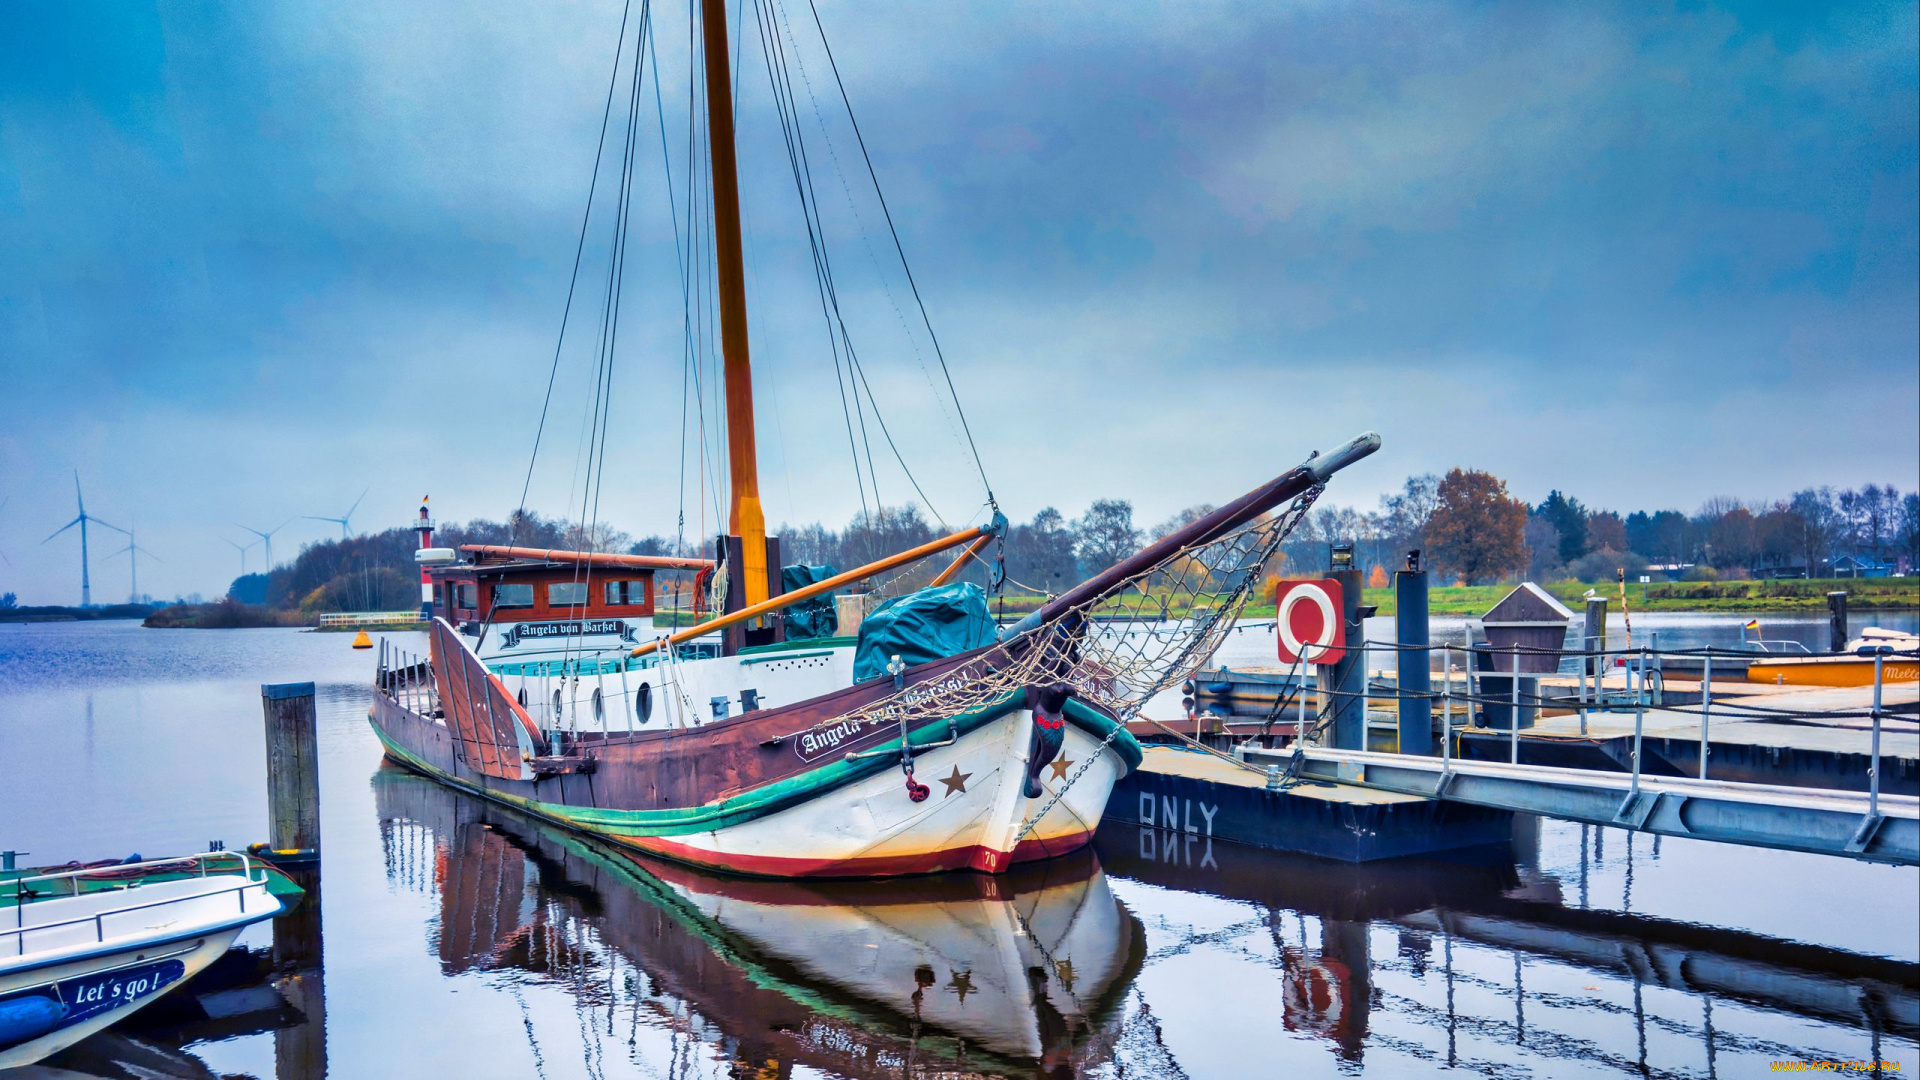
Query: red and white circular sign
[{"x": 1311, "y": 629}]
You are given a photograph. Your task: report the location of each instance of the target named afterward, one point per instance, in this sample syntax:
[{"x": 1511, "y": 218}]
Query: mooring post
[
  {"x": 1349, "y": 683},
  {"x": 1595, "y": 632},
  {"x": 293, "y": 767},
  {"x": 1706, "y": 709},
  {"x": 1837, "y": 621},
  {"x": 293, "y": 815},
  {"x": 1446, "y": 715},
  {"x": 1414, "y": 668}
]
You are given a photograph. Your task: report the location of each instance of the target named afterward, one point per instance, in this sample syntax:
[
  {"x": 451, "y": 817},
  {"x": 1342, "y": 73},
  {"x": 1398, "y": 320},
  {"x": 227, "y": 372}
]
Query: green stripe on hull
[{"x": 777, "y": 796}]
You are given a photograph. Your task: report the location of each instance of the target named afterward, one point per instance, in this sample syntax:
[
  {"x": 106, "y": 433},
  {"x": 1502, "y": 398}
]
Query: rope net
[{"x": 1120, "y": 648}]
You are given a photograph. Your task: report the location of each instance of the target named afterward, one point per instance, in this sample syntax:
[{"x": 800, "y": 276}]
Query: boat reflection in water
[
  {"x": 1487, "y": 961},
  {"x": 1019, "y": 973}
]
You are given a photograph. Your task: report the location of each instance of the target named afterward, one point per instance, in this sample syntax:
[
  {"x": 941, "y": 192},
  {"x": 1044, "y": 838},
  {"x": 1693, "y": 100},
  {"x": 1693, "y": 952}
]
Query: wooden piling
[
  {"x": 293, "y": 824},
  {"x": 1837, "y": 621},
  {"x": 293, "y": 767},
  {"x": 1594, "y": 636}
]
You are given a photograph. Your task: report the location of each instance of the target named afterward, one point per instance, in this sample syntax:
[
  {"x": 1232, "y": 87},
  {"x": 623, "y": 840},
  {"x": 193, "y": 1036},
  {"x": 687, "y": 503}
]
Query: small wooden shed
[{"x": 1531, "y": 620}]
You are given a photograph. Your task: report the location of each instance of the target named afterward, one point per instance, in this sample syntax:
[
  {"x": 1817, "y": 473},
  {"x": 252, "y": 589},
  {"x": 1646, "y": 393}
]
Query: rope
[
  {"x": 786, "y": 103},
  {"x": 1107, "y": 666},
  {"x": 573, "y": 281},
  {"x": 901, "y": 250}
]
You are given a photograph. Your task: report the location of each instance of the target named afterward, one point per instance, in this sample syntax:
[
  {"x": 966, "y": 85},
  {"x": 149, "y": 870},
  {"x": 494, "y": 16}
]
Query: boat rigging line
[
  {"x": 696, "y": 262},
  {"x": 901, "y": 250},
  {"x": 786, "y": 104}
]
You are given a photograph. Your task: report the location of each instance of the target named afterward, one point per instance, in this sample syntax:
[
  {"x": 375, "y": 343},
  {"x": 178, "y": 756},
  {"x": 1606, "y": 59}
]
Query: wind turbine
[
  {"x": 242, "y": 549},
  {"x": 133, "y": 551},
  {"x": 267, "y": 538},
  {"x": 344, "y": 518},
  {"x": 86, "y": 580}
]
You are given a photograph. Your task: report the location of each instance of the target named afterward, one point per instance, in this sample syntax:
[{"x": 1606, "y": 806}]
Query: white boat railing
[
  {"x": 1778, "y": 646},
  {"x": 24, "y": 897}
]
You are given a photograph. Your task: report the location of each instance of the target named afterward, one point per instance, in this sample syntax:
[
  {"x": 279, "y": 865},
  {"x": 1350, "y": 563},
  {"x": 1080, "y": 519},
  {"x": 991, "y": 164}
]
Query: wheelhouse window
[
  {"x": 566, "y": 593},
  {"x": 466, "y": 596},
  {"x": 512, "y": 596},
  {"x": 440, "y": 595},
  {"x": 622, "y": 593}
]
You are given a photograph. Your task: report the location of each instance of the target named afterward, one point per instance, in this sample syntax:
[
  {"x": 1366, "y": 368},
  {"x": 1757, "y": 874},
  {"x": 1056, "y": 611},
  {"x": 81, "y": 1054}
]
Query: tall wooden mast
[{"x": 745, "y": 519}]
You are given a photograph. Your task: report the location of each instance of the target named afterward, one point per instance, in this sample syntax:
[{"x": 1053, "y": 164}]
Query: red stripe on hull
[{"x": 970, "y": 857}]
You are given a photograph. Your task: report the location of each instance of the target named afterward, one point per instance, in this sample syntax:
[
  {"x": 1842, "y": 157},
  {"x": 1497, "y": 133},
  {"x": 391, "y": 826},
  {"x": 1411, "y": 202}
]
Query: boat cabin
[{"x": 522, "y": 591}]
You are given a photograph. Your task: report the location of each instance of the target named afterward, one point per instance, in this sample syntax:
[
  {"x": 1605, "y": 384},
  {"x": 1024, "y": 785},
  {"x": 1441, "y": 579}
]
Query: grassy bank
[{"x": 1863, "y": 594}]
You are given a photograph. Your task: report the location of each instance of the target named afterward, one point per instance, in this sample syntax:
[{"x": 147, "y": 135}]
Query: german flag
[{"x": 1753, "y": 624}]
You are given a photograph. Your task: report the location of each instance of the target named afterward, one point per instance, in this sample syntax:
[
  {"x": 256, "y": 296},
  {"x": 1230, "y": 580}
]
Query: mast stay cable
[{"x": 900, "y": 249}]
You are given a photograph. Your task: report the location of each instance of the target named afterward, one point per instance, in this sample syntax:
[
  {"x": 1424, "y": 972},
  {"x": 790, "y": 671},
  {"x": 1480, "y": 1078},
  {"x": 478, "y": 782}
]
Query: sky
[{"x": 258, "y": 258}]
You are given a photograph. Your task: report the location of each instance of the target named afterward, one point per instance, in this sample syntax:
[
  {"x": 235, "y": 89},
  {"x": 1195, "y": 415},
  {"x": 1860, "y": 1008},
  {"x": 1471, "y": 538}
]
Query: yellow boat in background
[{"x": 1844, "y": 669}]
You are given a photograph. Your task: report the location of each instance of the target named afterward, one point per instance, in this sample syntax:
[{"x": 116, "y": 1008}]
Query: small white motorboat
[{"x": 80, "y": 949}]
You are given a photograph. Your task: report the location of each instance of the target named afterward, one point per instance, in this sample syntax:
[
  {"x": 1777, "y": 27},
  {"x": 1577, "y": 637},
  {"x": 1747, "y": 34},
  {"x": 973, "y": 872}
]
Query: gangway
[{"x": 1860, "y": 825}]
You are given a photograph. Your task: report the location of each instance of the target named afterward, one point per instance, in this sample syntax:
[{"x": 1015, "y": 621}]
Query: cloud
[{"x": 254, "y": 258}]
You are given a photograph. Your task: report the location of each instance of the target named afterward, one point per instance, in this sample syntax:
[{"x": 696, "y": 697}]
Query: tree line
[
  {"x": 1467, "y": 522},
  {"x": 1473, "y": 529}
]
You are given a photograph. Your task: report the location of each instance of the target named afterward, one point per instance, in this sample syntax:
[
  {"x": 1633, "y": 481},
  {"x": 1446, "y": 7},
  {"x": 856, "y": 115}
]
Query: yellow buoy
[{"x": 362, "y": 641}]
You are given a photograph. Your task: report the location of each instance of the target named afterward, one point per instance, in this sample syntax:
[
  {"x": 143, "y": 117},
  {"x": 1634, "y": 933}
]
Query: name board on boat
[
  {"x": 912, "y": 703},
  {"x": 96, "y": 994},
  {"x": 566, "y": 628}
]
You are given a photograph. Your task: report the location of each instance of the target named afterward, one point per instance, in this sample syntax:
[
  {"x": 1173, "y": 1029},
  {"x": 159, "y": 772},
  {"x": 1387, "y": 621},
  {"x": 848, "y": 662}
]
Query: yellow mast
[{"x": 745, "y": 519}]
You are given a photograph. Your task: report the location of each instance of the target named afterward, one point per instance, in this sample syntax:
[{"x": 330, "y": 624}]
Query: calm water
[{"x": 463, "y": 940}]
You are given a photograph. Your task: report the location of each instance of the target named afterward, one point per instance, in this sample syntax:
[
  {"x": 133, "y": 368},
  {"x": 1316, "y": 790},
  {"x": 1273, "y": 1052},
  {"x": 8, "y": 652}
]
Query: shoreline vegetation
[
  {"x": 1798, "y": 596},
  {"x": 225, "y": 614},
  {"x": 59, "y": 613}
]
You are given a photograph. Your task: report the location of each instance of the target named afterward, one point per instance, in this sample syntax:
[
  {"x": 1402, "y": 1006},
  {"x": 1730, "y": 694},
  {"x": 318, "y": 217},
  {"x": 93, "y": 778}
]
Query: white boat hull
[{"x": 974, "y": 817}]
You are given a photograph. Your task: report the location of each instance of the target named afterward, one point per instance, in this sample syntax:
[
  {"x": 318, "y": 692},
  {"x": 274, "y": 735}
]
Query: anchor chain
[
  {"x": 916, "y": 791},
  {"x": 1118, "y": 727}
]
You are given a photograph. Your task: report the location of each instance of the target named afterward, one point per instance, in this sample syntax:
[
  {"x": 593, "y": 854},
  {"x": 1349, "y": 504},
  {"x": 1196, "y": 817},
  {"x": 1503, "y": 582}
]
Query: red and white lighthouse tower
[{"x": 424, "y": 530}]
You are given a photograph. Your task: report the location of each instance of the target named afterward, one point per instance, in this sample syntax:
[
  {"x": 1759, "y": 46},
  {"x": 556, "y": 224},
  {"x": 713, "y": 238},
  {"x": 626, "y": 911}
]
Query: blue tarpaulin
[
  {"x": 924, "y": 625},
  {"x": 813, "y": 618}
]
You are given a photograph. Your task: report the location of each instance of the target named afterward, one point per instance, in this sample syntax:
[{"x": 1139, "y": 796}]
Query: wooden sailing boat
[{"x": 844, "y": 758}]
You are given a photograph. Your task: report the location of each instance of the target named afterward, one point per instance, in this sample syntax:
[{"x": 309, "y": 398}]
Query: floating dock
[
  {"x": 1786, "y": 767},
  {"x": 1194, "y": 793},
  {"x": 1756, "y": 734}
]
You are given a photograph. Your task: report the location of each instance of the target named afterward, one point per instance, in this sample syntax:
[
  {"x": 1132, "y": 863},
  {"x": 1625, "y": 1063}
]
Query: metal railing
[
  {"x": 25, "y": 896},
  {"x": 1640, "y": 665},
  {"x": 1776, "y": 646},
  {"x": 371, "y": 618},
  {"x": 407, "y": 679}
]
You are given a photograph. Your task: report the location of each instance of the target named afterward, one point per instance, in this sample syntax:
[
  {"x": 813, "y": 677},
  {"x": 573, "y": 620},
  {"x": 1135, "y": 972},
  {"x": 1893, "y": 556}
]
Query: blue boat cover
[
  {"x": 813, "y": 618},
  {"x": 927, "y": 624}
]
